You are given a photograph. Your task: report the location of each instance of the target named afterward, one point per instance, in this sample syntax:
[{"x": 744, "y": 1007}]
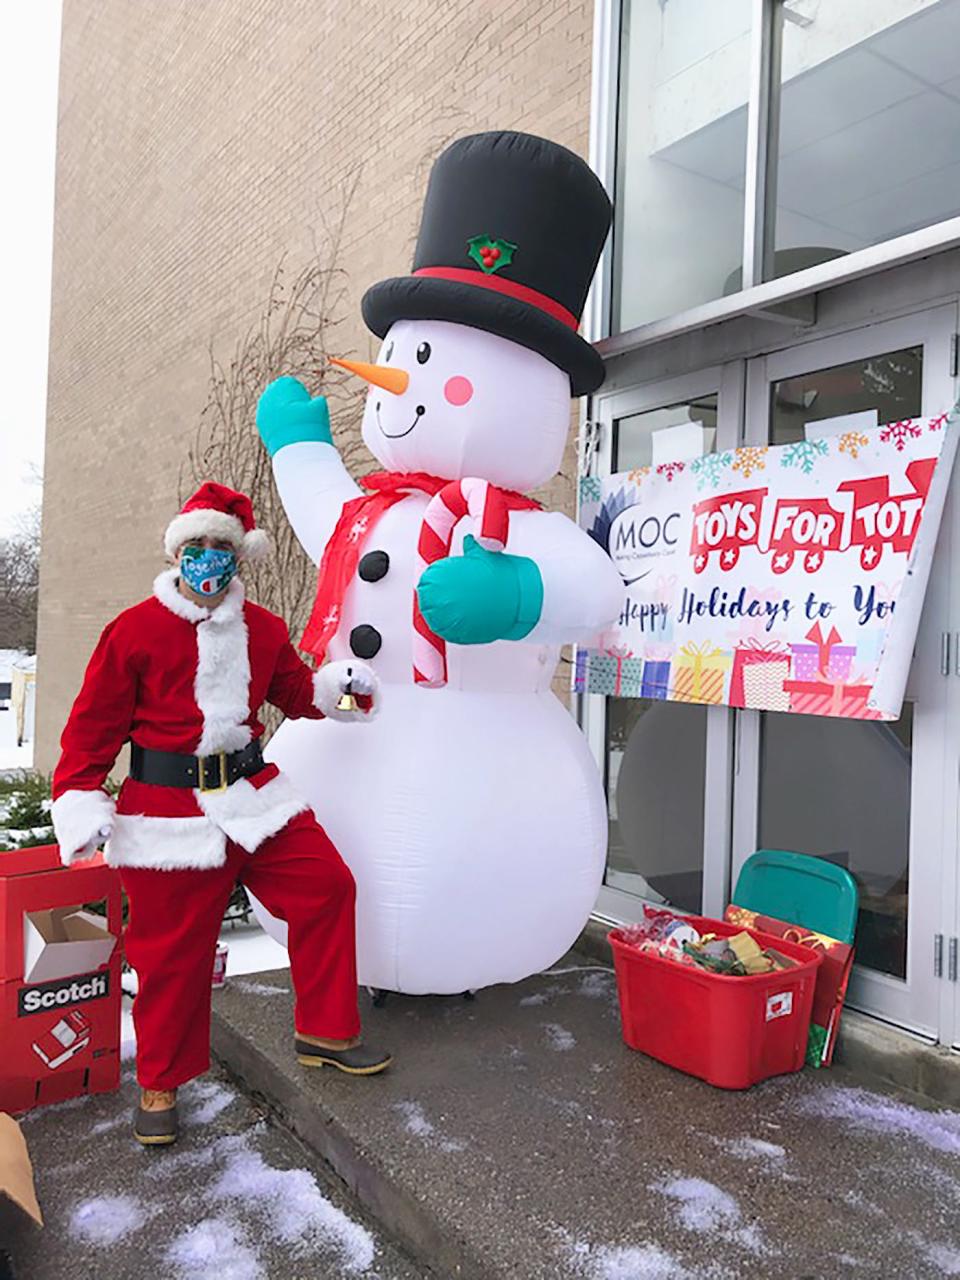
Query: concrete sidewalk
[
  {"x": 237, "y": 1199},
  {"x": 516, "y": 1136}
]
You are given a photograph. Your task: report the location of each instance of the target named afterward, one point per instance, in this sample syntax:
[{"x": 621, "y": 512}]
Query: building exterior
[
  {"x": 199, "y": 144},
  {"x": 786, "y": 248}
]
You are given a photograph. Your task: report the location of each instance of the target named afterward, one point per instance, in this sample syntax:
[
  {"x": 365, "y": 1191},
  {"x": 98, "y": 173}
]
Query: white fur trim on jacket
[
  {"x": 249, "y": 815},
  {"x": 221, "y": 685},
  {"x": 333, "y": 678},
  {"x": 215, "y": 524},
  {"x": 165, "y": 844},
  {"x": 79, "y": 819}
]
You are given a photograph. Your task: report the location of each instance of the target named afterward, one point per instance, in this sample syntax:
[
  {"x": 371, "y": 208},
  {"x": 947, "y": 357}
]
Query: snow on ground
[
  {"x": 707, "y": 1209},
  {"x": 107, "y": 1219},
  {"x": 250, "y": 950},
  {"x": 292, "y": 1209},
  {"x": 861, "y": 1109},
  {"x": 12, "y": 756}
]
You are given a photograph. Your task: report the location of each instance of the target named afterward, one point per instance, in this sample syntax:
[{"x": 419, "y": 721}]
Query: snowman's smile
[{"x": 398, "y": 435}]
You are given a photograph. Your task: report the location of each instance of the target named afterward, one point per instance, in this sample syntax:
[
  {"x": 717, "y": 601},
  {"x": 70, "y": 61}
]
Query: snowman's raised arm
[
  {"x": 582, "y": 590},
  {"x": 312, "y": 481}
]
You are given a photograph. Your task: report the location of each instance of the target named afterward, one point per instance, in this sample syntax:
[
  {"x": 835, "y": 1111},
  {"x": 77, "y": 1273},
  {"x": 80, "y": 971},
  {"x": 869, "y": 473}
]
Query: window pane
[
  {"x": 889, "y": 387},
  {"x": 869, "y": 124},
  {"x": 840, "y": 789},
  {"x": 682, "y": 127},
  {"x": 656, "y": 757},
  {"x": 633, "y": 439}
]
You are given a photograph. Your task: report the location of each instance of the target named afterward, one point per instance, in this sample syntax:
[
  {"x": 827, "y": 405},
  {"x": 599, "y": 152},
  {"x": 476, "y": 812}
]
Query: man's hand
[
  {"x": 481, "y": 596},
  {"x": 286, "y": 414},
  {"x": 334, "y": 679}
]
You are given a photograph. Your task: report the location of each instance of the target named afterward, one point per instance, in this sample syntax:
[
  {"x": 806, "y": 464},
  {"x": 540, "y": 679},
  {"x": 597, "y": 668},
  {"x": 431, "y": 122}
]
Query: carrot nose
[{"x": 381, "y": 375}]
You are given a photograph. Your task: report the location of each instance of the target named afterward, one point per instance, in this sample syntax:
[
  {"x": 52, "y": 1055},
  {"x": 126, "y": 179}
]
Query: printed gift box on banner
[
  {"x": 698, "y": 673},
  {"x": 823, "y": 657},
  {"x": 615, "y": 672},
  {"x": 59, "y": 979},
  {"x": 760, "y": 669},
  {"x": 833, "y": 976},
  {"x": 821, "y": 698},
  {"x": 656, "y": 673}
]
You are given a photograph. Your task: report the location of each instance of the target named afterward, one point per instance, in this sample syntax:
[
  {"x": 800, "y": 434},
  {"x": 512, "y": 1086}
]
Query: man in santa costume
[{"x": 182, "y": 676}]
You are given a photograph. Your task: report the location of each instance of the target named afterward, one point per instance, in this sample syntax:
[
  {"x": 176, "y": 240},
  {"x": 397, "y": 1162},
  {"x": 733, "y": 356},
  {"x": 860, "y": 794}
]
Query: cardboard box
[
  {"x": 59, "y": 979},
  {"x": 62, "y": 941},
  {"x": 16, "y": 1171}
]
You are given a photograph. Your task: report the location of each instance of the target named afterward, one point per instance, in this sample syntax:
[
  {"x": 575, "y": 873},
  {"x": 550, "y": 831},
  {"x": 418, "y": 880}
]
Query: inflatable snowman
[{"x": 471, "y": 811}]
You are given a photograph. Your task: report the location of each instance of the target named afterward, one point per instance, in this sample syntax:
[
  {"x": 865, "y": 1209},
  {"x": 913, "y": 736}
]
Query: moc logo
[{"x": 44, "y": 996}]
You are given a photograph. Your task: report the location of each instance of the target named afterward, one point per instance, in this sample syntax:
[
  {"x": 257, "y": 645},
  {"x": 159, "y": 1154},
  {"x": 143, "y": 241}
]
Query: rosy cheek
[{"x": 458, "y": 390}]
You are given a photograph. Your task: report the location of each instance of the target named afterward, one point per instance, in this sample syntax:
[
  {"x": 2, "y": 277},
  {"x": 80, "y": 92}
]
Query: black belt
[{"x": 205, "y": 773}]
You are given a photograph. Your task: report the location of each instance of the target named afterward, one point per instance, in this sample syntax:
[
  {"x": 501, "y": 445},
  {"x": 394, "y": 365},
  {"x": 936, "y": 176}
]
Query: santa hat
[{"x": 215, "y": 511}]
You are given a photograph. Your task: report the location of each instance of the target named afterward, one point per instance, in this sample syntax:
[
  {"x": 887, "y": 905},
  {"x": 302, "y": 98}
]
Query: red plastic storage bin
[{"x": 731, "y": 1032}]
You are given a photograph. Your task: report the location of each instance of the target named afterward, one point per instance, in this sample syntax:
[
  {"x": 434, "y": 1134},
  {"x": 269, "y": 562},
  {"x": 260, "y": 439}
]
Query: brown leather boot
[
  {"x": 155, "y": 1122},
  {"x": 355, "y": 1059}
]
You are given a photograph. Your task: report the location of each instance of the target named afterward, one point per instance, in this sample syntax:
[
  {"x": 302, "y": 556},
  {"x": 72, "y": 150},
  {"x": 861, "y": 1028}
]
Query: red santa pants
[{"x": 171, "y": 941}]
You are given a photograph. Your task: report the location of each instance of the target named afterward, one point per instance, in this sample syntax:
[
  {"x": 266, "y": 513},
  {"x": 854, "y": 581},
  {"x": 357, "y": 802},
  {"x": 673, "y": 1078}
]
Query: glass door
[
  {"x": 666, "y": 766},
  {"x": 872, "y": 797}
]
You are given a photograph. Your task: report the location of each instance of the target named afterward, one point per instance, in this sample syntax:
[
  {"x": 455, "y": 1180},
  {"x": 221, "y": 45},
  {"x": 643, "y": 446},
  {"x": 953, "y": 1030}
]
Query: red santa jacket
[{"x": 172, "y": 676}]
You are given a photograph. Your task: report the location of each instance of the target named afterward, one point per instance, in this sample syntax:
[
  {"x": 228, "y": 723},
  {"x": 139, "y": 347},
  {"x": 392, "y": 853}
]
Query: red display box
[
  {"x": 59, "y": 979},
  {"x": 731, "y": 1032}
]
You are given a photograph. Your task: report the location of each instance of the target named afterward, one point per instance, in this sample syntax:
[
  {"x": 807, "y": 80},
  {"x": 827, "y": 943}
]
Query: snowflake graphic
[
  {"x": 804, "y": 454},
  {"x": 359, "y": 528},
  {"x": 852, "y": 442},
  {"x": 638, "y": 474},
  {"x": 898, "y": 433},
  {"x": 709, "y": 469},
  {"x": 939, "y": 422},
  {"x": 750, "y": 458},
  {"x": 591, "y": 489},
  {"x": 670, "y": 469}
]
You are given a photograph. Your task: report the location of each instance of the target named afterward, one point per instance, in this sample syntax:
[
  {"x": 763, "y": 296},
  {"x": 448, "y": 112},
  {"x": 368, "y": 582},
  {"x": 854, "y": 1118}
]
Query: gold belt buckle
[{"x": 221, "y": 785}]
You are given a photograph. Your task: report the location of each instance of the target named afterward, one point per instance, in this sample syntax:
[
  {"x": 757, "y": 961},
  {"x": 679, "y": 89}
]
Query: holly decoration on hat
[{"x": 490, "y": 254}]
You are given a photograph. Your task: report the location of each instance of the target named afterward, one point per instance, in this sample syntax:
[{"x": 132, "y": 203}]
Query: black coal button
[
  {"x": 365, "y": 641},
  {"x": 374, "y": 566}
]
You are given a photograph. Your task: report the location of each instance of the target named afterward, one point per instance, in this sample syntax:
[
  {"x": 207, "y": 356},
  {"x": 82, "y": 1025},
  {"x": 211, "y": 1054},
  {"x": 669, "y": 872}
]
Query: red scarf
[{"x": 343, "y": 551}]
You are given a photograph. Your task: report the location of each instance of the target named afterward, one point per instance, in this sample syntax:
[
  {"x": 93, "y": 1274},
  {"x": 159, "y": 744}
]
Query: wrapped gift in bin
[
  {"x": 760, "y": 669},
  {"x": 615, "y": 672},
  {"x": 699, "y": 672},
  {"x": 823, "y": 658}
]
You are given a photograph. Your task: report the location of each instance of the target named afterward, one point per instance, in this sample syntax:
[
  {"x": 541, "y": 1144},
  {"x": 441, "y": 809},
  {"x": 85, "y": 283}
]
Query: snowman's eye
[
  {"x": 423, "y": 353},
  {"x": 389, "y": 354}
]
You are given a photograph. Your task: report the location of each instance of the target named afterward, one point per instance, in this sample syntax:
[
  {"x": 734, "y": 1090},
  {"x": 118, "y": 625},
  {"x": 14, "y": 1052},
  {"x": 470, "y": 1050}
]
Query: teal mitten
[
  {"x": 287, "y": 415},
  {"x": 481, "y": 596}
]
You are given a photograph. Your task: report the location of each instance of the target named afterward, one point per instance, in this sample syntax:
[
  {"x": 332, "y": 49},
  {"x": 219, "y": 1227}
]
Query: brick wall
[{"x": 200, "y": 140}]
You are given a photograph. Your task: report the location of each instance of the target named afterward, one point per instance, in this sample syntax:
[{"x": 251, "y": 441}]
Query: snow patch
[
  {"x": 707, "y": 1209},
  {"x": 415, "y": 1121},
  {"x": 753, "y": 1149},
  {"x": 107, "y": 1219},
  {"x": 598, "y": 986},
  {"x": 258, "y": 988},
  {"x": 530, "y": 1002},
  {"x": 294, "y": 1210},
  {"x": 212, "y": 1250},
  {"x": 939, "y": 1130},
  {"x": 560, "y": 1038},
  {"x": 636, "y": 1262},
  {"x": 207, "y": 1099}
]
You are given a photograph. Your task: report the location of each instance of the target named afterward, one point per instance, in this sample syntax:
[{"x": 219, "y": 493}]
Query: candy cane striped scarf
[{"x": 342, "y": 555}]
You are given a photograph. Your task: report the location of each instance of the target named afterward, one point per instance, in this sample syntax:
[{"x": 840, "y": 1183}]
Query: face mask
[{"x": 206, "y": 570}]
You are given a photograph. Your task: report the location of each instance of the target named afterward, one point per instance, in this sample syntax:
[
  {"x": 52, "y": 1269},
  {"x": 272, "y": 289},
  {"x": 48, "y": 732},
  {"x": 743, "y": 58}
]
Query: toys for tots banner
[{"x": 785, "y": 578}]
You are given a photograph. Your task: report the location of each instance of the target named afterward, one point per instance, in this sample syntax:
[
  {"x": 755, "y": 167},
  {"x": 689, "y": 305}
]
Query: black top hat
[{"x": 512, "y": 230}]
